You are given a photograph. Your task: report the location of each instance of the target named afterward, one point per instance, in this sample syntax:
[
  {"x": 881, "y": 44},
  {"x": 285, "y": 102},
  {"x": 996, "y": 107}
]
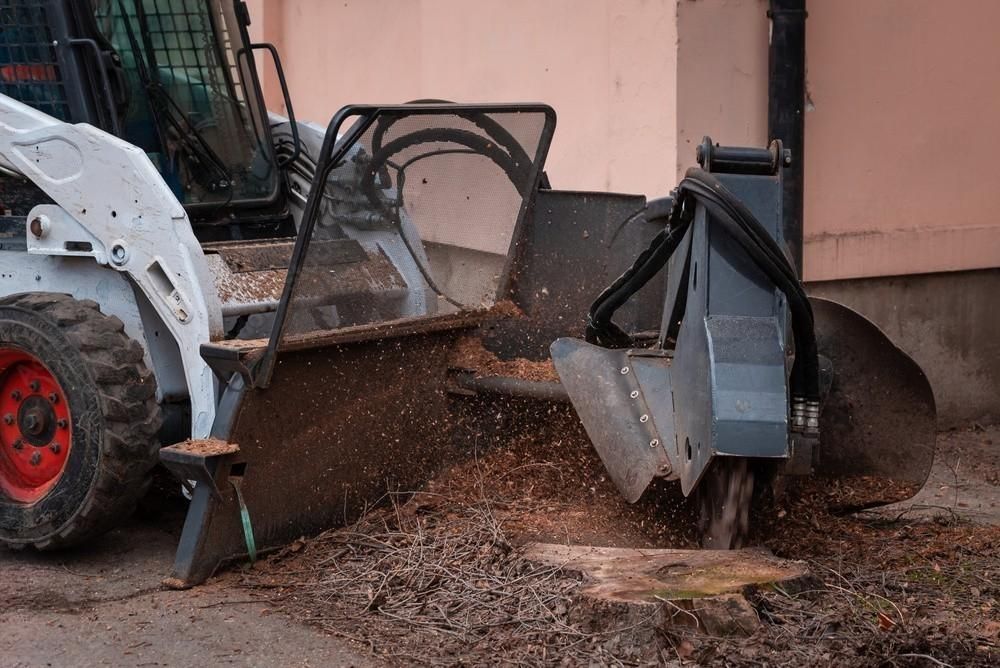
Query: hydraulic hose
[
  {"x": 726, "y": 210},
  {"x": 470, "y": 140},
  {"x": 519, "y": 158},
  {"x": 600, "y": 328}
]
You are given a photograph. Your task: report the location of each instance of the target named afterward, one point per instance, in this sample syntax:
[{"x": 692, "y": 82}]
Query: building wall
[
  {"x": 901, "y": 137},
  {"x": 902, "y": 218},
  {"x": 721, "y": 75},
  {"x": 899, "y": 123},
  {"x": 608, "y": 67},
  {"x": 900, "y": 127}
]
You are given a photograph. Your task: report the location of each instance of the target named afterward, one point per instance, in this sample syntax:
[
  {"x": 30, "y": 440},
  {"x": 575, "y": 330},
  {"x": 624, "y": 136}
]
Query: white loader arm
[{"x": 113, "y": 205}]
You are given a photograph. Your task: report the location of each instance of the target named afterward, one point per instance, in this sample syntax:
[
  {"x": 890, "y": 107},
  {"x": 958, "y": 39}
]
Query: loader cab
[{"x": 175, "y": 78}]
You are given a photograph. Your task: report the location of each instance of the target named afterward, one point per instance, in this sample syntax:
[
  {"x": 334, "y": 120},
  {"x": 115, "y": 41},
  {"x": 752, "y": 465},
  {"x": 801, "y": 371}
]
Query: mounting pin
[{"x": 40, "y": 226}]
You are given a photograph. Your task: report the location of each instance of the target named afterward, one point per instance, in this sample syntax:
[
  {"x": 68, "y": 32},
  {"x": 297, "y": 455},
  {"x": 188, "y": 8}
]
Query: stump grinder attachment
[{"x": 748, "y": 376}]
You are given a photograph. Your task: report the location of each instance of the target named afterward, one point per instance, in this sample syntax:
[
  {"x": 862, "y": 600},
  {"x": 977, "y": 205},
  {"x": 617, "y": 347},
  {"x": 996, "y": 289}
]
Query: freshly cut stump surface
[{"x": 648, "y": 590}]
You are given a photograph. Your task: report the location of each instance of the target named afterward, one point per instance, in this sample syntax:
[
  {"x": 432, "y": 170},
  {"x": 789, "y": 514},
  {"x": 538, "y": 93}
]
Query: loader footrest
[{"x": 193, "y": 461}]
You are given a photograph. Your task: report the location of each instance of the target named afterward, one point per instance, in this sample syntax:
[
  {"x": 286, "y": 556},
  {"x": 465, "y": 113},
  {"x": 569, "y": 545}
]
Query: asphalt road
[{"x": 103, "y": 605}]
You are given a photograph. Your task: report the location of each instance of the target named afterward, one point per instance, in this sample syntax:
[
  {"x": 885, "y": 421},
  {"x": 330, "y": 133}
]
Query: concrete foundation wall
[{"x": 949, "y": 323}]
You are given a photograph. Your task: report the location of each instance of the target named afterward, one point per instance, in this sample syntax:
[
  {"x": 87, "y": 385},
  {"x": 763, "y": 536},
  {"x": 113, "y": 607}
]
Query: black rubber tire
[{"x": 114, "y": 416}]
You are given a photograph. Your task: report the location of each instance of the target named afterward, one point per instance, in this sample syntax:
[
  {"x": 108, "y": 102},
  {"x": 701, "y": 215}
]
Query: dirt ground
[
  {"x": 104, "y": 606},
  {"x": 915, "y": 584},
  {"x": 438, "y": 579}
]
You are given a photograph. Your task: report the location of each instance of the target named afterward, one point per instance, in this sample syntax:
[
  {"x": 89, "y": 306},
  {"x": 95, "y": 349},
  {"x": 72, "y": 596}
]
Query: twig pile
[
  {"x": 444, "y": 583},
  {"x": 916, "y": 594}
]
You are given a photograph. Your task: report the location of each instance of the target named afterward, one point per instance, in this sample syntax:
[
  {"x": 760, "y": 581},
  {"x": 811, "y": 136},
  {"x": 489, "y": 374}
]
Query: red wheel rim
[{"x": 36, "y": 432}]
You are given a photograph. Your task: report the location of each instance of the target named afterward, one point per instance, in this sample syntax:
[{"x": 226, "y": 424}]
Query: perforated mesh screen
[
  {"x": 29, "y": 69},
  {"x": 433, "y": 200}
]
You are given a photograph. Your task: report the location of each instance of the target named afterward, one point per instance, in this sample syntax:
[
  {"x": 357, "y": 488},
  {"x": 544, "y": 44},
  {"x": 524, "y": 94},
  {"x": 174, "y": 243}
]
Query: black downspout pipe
[{"x": 786, "y": 97}]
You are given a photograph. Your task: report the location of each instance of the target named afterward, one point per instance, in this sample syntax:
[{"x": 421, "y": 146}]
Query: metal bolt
[
  {"x": 119, "y": 255},
  {"x": 55, "y": 448},
  {"x": 16, "y": 395},
  {"x": 53, "y": 397},
  {"x": 634, "y": 394},
  {"x": 62, "y": 423},
  {"x": 34, "y": 385},
  {"x": 39, "y": 226},
  {"x": 36, "y": 458},
  {"x": 655, "y": 442},
  {"x": 17, "y": 444},
  {"x": 624, "y": 370},
  {"x": 644, "y": 418},
  {"x": 8, "y": 418}
]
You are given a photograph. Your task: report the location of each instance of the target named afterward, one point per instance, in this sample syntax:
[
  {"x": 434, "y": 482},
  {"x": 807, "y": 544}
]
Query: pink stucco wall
[
  {"x": 721, "y": 75},
  {"x": 606, "y": 66},
  {"x": 901, "y": 126},
  {"x": 902, "y": 135}
]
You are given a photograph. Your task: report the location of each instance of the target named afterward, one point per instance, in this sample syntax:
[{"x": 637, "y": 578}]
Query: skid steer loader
[{"x": 276, "y": 302}]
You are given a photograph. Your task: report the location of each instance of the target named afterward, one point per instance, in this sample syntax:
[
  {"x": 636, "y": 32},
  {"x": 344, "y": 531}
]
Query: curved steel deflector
[{"x": 878, "y": 423}]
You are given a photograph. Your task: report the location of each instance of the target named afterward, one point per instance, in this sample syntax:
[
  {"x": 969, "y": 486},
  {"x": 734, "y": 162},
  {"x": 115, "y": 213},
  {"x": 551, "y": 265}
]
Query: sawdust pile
[{"x": 469, "y": 353}]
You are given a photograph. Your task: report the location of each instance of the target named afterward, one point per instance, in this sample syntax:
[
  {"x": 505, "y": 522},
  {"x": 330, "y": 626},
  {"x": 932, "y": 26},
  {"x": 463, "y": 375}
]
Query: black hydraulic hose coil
[{"x": 726, "y": 210}]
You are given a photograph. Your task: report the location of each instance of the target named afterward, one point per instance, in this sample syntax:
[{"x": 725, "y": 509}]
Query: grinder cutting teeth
[{"x": 748, "y": 376}]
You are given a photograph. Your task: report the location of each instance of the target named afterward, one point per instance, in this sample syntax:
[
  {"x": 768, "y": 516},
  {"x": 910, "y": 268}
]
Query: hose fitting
[{"x": 805, "y": 416}]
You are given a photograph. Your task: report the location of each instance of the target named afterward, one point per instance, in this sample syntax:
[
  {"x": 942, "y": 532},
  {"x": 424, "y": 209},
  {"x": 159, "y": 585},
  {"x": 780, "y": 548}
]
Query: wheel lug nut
[
  {"x": 16, "y": 395},
  {"x": 34, "y": 385},
  {"x": 53, "y": 397},
  {"x": 17, "y": 444},
  {"x": 62, "y": 423},
  {"x": 55, "y": 448},
  {"x": 8, "y": 418},
  {"x": 36, "y": 458}
]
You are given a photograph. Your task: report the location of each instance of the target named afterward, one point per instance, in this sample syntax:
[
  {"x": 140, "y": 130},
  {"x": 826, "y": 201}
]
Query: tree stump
[{"x": 635, "y": 596}]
